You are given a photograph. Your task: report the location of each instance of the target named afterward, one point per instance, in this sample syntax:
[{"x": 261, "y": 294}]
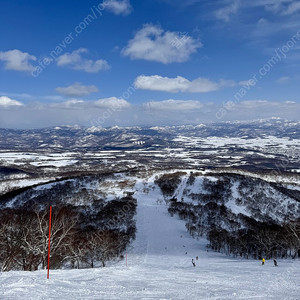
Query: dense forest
[
  {"x": 86, "y": 229},
  {"x": 257, "y": 232}
]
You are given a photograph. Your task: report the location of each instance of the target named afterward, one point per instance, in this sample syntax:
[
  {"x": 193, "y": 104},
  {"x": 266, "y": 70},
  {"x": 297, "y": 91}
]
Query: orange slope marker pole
[{"x": 49, "y": 241}]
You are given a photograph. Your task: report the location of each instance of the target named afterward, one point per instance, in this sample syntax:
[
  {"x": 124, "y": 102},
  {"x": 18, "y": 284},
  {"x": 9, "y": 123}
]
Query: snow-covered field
[
  {"x": 159, "y": 267},
  {"x": 20, "y": 183},
  {"x": 253, "y": 143},
  {"x": 190, "y": 149},
  {"x": 35, "y": 159}
]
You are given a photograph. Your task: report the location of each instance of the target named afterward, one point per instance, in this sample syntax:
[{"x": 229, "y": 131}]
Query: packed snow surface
[{"x": 159, "y": 266}]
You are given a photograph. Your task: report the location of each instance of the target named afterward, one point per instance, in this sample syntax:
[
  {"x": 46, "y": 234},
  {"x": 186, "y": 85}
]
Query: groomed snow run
[{"x": 159, "y": 268}]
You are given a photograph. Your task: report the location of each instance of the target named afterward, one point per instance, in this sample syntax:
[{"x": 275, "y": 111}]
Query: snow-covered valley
[
  {"x": 159, "y": 266},
  {"x": 232, "y": 186}
]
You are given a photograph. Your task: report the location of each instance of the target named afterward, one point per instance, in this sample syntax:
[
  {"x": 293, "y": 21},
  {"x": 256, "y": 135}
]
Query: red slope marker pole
[{"x": 49, "y": 241}]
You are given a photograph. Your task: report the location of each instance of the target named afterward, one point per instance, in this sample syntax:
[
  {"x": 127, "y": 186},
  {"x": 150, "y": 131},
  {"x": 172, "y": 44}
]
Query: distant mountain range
[{"x": 74, "y": 138}]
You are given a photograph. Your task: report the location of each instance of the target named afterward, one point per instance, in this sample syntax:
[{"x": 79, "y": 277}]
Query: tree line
[
  {"x": 265, "y": 240},
  {"x": 75, "y": 240},
  {"x": 238, "y": 235}
]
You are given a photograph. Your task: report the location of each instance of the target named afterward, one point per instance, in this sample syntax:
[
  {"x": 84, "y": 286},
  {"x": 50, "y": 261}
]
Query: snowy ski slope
[{"x": 159, "y": 268}]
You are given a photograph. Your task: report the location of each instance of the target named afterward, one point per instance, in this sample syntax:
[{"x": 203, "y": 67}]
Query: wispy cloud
[
  {"x": 70, "y": 104},
  {"x": 17, "y": 95},
  {"x": 277, "y": 7},
  {"x": 118, "y": 7},
  {"x": 249, "y": 82},
  {"x": 280, "y": 7},
  {"x": 17, "y": 60},
  {"x": 75, "y": 61},
  {"x": 152, "y": 43},
  {"x": 116, "y": 111},
  {"x": 291, "y": 8},
  {"x": 176, "y": 105},
  {"x": 226, "y": 12},
  {"x": 77, "y": 90},
  {"x": 283, "y": 80},
  {"x": 179, "y": 84},
  {"x": 113, "y": 103}
]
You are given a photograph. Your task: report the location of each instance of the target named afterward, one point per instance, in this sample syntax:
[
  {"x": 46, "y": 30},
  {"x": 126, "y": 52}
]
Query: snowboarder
[
  {"x": 275, "y": 262},
  {"x": 196, "y": 257},
  {"x": 194, "y": 265},
  {"x": 263, "y": 261}
]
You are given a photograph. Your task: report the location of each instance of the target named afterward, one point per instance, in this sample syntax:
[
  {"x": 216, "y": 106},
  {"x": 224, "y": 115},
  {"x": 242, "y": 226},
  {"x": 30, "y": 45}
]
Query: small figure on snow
[
  {"x": 196, "y": 257},
  {"x": 275, "y": 262},
  {"x": 263, "y": 261},
  {"x": 194, "y": 265},
  {"x": 185, "y": 253}
]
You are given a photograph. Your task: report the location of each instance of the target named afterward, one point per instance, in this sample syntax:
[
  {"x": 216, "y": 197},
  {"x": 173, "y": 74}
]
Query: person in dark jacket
[
  {"x": 275, "y": 262},
  {"x": 194, "y": 265}
]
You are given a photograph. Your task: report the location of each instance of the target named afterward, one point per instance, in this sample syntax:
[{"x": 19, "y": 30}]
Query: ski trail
[
  {"x": 161, "y": 239},
  {"x": 179, "y": 191},
  {"x": 138, "y": 250}
]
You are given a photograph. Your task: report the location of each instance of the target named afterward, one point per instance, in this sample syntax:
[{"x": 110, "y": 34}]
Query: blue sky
[{"x": 150, "y": 62}]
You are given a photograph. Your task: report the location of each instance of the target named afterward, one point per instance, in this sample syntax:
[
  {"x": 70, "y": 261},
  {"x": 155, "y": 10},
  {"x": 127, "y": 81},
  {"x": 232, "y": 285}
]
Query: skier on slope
[
  {"x": 263, "y": 261},
  {"x": 194, "y": 265},
  {"x": 275, "y": 262}
]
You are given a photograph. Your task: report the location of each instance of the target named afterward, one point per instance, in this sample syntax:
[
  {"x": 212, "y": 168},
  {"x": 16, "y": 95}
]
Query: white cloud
[
  {"x": 6, "y": 102},
  {"x": 152, "y": 43},
  {"x": 179, "y": 84},
  {"x": 261, "y": 109},
  {"x": 77, "y": 90},
  {"x": 248, "y": 83},
  {"x": 173, "y": 105},
  {"x": 283, "y": 80},
  {"x": 112, "y": 102},
  {"x": 121, "y": 7},
  {"x": 75, "y": 61},
  {"x": 70, "y": 104},
  {"x": 274, "y": 8},
  {"x": 18, "y": 95},
  {"x": 53, "y": 97},
  {"x": 17, "y": 60},
  {"x": 291, "y": 8},
  {"x": 226, "y": 12},
  {"x": 280, "y": 7},
  {"x": 109, "y": 112},
  {"x": 254, "y": 103},
  {"x": 277, "y": 7}
]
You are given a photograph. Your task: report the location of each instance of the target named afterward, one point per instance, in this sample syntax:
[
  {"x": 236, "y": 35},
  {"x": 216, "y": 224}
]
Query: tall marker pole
[{"x": 50, "y": 215}]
